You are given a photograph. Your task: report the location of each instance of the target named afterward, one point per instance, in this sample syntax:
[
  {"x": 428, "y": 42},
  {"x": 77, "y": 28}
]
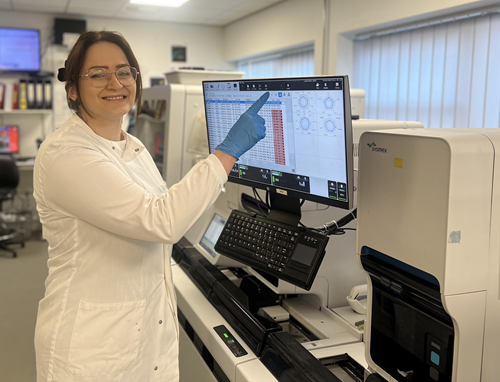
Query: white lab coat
[{"x": 109, "y": 311}]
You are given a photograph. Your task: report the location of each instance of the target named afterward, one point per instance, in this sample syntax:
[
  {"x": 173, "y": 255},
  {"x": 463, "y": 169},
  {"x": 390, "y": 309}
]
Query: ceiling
[{"x": 201, "y": 12}]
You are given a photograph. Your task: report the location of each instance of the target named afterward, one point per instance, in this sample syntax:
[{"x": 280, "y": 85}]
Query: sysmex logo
[{"x": 374, "y": 147}]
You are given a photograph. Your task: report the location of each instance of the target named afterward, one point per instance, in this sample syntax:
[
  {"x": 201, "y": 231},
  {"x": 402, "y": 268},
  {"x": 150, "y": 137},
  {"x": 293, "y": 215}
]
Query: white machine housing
[
  {"x": 430, "y": 199},
  {"x": 183, "y": 124},
  {"x": 358, "y": 102}
]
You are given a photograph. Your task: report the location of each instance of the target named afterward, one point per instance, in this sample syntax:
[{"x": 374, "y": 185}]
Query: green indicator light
[
  {"x": 232, "y": 341},
  {"x": 225, "y": 335},
  {"x": 273, "y": 179}
]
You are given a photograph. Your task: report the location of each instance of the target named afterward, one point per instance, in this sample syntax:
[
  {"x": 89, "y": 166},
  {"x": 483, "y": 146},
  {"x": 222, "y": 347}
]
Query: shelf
[{"x": 28, "y": 111}]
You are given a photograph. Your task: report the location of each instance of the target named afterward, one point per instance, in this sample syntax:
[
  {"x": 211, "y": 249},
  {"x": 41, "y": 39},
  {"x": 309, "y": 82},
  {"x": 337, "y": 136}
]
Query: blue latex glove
[{"x": 246, "y": 132}]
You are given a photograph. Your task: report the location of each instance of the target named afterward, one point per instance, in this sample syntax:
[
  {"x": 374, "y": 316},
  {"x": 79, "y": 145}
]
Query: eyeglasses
[{"x": 100, "y": 77}]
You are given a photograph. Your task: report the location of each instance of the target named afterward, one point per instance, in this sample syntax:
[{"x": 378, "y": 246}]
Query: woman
[{"x": 109, "y": 311}]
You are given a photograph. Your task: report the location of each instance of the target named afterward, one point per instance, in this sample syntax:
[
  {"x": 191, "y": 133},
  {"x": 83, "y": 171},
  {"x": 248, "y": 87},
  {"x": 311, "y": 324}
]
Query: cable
[
  {"x": 257, "y": 196},
  {"x": 328, "y": 229},
  {"x": 336, "y": 227}
]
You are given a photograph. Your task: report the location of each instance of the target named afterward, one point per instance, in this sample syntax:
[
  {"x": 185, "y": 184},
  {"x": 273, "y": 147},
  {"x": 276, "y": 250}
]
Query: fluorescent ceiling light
[{"x": 160, "y": 3}]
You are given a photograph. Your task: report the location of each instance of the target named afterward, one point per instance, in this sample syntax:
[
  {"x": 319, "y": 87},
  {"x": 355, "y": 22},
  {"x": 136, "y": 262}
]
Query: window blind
[
  {"x": 442, "y": 76},
  {"x": 298, "y": 63}
]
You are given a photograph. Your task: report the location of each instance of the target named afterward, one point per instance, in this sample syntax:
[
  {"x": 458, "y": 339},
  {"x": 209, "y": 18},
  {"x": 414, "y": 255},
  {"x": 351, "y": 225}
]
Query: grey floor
[{"x": 21, "y": 288}]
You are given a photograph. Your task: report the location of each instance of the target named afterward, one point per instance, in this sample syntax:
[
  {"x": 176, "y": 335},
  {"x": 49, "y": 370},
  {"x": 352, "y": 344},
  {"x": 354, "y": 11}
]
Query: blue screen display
[{"x": 19, "y": 49}]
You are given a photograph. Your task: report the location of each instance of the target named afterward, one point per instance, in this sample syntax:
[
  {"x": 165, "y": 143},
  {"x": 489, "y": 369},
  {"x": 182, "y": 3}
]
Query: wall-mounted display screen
[{"x": 19, "y": 50}]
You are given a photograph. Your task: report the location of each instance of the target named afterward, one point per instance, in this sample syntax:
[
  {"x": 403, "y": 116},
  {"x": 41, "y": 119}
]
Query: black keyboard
[{"x": 284, "y": 251}]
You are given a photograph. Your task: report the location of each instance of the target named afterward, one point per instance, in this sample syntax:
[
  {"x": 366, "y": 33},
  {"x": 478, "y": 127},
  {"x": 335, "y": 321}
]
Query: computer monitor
[
  {"x": 307, "y": 151},
  {"x": 19, "y": 50},
  {"x": 206, "y": 242},
  {"x": 212, "y": 234},
  {"x": 9, "y": 140}
]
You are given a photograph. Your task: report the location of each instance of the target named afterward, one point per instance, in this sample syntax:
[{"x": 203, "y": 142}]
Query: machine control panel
[{"x": 230, "y": 341}]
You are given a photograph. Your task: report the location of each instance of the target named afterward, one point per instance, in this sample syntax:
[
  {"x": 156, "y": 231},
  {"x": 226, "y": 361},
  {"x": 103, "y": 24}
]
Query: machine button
[
  {"x": 435, "y": 358},
  {"x": 434, "y": 374}
]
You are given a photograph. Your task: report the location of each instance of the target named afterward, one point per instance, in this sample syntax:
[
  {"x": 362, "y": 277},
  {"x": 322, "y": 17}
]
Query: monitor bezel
[
  {"x": 7, "y": 71},
  {"x": 348, "y": 146}
]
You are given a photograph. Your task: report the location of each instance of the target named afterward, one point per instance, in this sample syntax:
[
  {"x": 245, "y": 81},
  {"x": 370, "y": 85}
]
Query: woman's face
[{"x": 113, "y": 101}]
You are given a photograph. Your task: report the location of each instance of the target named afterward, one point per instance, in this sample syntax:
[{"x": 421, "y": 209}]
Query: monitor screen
[
  {"x": 19, "y": 50},
  {"x": 212, "y": 234},
  {"x": 9, "y": 139},
  {"x": 307, "y": 151}
]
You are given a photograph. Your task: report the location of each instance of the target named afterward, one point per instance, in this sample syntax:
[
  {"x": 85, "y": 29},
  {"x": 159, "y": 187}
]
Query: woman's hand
[{"x": 246, "y": 132}]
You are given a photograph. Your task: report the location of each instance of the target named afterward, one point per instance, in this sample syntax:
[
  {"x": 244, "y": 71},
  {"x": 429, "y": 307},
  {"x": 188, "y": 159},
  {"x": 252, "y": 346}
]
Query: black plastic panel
[
  {"x": 289, "y": 361},
  {"x": 412, "y": 336},
  {"x": 253, "y": 328},
  {"x": 229, "y": 340}
]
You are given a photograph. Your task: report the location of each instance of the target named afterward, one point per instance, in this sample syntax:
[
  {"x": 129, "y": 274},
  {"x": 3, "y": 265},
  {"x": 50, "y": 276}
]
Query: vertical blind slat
[
  {"x": 414, "y": 75},
  {"x": 479, "y": 70},
  {"x": 404, "y": 76},
  {"x": 424, "y": 96},
  {"x": 450, "y": 75},
  {"x": 464, "y": 74},
  {"x": 437, "y": 85},
  {"x": 384, "y": 78},
  {"x": 374, "y": 78},
  {"x": 492, "y": 104}
]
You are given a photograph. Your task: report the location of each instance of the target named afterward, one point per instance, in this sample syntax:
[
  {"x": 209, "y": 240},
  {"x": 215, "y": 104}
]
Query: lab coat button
[
  {"x": 161, "y": 322},
  {"x": 113, "y": 147},
  {"x": 136, "y": 150},
  {"x": 156, "y": 368}
]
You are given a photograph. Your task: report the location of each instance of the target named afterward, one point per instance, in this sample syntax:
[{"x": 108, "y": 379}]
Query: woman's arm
[{"x": 227, "y": 160}]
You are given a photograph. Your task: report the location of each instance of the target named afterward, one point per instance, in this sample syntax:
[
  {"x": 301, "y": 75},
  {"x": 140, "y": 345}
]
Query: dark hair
[{"x": 74, "y": 64}]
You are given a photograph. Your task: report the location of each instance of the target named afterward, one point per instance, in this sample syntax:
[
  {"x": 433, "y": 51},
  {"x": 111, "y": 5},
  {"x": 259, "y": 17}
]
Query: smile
[{"x": 114, "y": 98}]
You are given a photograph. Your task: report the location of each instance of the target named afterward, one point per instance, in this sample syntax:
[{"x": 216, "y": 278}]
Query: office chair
[{"x": 9, "y": 179}]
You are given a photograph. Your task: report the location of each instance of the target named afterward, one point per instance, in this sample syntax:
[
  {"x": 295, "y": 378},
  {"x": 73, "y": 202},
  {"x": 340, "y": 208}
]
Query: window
[
  {"x": 442, "y": 76},
  {"x": 297, "y": 63}
]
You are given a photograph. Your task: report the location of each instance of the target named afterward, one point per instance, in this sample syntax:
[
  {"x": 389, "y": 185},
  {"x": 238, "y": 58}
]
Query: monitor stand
[{"x": 285, "y": 209}]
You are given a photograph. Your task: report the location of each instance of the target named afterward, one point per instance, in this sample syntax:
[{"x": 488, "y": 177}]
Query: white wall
[
  {"x": 151, "y": 41},
  {"x": 295, "y": 22},
  {"x": 292, "y": 23}
]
